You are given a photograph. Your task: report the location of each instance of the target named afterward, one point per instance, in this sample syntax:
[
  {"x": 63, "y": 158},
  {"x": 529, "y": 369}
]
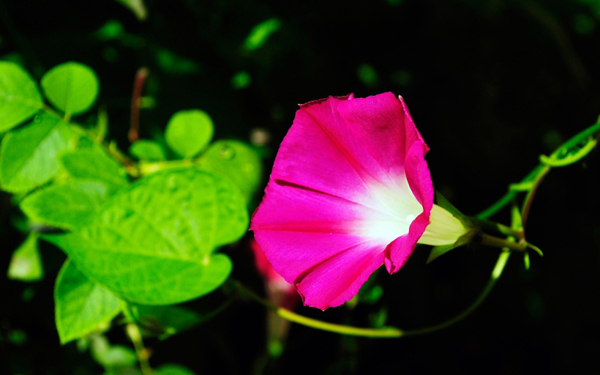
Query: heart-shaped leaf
[
  {"x": 153, "y": 243},
  {"x": 19, "y": 96}
]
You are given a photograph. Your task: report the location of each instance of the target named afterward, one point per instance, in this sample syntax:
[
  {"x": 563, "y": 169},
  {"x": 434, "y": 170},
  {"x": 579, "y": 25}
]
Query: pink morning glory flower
[{"x": 350, "y": 191}]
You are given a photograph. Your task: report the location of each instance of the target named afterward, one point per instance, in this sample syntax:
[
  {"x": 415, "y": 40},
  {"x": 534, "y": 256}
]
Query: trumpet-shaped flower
[{"x": 350, "y": 191}]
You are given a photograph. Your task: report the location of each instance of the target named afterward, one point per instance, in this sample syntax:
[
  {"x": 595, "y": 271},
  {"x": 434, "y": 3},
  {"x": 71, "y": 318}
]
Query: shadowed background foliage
[{"x": 491, "y": 85}]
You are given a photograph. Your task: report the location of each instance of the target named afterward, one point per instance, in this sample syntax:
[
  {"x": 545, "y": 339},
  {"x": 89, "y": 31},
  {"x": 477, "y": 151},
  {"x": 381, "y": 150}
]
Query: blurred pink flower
[
  {"x": 280, "y": 292},
  {"x": 350, "y": 191}
]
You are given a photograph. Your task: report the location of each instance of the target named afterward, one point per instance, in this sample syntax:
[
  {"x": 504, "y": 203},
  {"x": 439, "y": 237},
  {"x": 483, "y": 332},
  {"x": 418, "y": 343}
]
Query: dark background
[{"x": 491, "y": 85}]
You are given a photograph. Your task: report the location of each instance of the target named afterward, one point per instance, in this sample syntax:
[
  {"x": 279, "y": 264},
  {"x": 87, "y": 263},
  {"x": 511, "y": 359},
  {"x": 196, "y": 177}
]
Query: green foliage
[
  {"x": 66, "y": 205},
  {"x": 151, "y": 243},
  {"x": 26, "y": 263},
  {"x": 147, "y": 150},
  {"x": 111, "y": 357},
  {"x": 438, "y": 251},
  {"x": 167, "y": 225},
  {"x": 19, "y": 96},
  {"x": 165, "y": 320},
  {"x": 235, "y": 161},
  {"x": 28, "y": 154},
  {"x": 94, "y": 164},
  {"x": 71, "y": 87},
  {"x": 82, "y": 306},
  {"x": 111, "y": 30},
  {"x": 172, "y": 63},
  {"x": 188, "y": 132},
  {"x": 171, "y": 369},
  {"x": 137, "y": 7},
  {"x": 241, "y": 80},
  {"x": 367, "y": 74},
  {"x": 261, "y": 32}
]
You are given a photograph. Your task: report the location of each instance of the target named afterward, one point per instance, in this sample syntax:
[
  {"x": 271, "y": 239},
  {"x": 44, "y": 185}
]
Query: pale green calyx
[{"x": 444, "y": 228}]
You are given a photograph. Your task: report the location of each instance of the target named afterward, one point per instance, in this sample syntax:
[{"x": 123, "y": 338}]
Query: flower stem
[
  {"x": 386, "y": 332},
  {"x": 498, "y": 269},
  {"x": 531, "y": 193},
  {"x": 133, "y": 331},
  {"x": 536, "y": 175},
  {"x": 136, "y": 97},
  {"x": 492, "y": 241}
]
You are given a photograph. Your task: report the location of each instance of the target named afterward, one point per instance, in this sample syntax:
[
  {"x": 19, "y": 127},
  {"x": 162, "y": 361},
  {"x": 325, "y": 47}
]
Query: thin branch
[{"x": 136, "y": 98}]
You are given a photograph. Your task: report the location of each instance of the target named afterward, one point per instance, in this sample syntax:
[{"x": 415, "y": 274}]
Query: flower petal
[
  {"x": 384, "y": 127},
  {"x": 419, "y": 179},
  {"x": 338, "y": 279},
  {"x": 298, "y": 228}
]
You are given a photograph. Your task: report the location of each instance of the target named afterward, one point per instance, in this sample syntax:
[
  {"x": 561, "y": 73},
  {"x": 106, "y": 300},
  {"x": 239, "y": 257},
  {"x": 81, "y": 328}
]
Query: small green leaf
[
  {"x": 26, "y": 264},
  {"x": 82, "y": 306},
  {"x": 147, "y": 150},
  {"x": 260, "y": 33},
  {"x": 367, "y": 74},
  {"x": 112, "y": 29},
  {"x": 28, "y": 156},
  {"x": 67, "y": 205},
  {"x": 172, "y": 63},
  {"x": 438, "y": 251},
  {"x": 166, "y": 320},
  {"x": 516, "y": 219},
  {"x": 235, "y": 161},
  {"x": 171, "y": 369},
  {"x": 94, "y": 164},
  {"x": 188, "y": 132},
  {"x": 445, "y": 204},
  {"x": 152, "y": 242},
  {"x": 137, "y": 7},
  {"x": 71, "y": 87},
  {"x": 19, "y": 96},
  {"x": 111, "y": 356},
  {"x": 241, "y": 80},
  {"x": 379, "y": 318}
]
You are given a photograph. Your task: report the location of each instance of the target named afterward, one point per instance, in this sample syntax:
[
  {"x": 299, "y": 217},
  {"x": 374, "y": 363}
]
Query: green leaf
[
  {"x": 241, "y": 80},
  {"x": 152, "y": 242},
  {"x": 235, "y": 161},
  {"x": 438, "y": 251},
  {"x": 26, "y": 263},
  {"x": 94, "y": 164},
  {"x": 367, "y": 74},
  {"x": 112, "y": 29},
  {"x": 111, "y": 356},
  {"x": 71, "y": 87},
  {"x": 67, "y": 205},
  {"x": 28, "y": 155},
  {"x": 147, "y": 150},
  {"x": 82, "y": 306},
  {"x": 260, "y": 33},
  {"x": 19, "y": 96},
  {"x": 175, "y": 64},
  {"x": 166, "y": 320},
  {"x": 137, "y": 7},
  {"x": 188, "y": 132},
  {"x": 171, "y": 369}
]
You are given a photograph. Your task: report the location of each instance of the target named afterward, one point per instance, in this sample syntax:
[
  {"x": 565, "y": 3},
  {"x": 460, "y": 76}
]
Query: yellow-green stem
[{"x": 133, "y": 331}]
